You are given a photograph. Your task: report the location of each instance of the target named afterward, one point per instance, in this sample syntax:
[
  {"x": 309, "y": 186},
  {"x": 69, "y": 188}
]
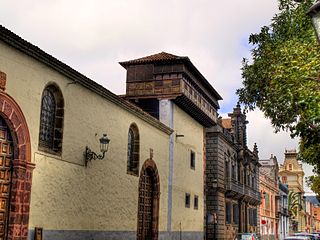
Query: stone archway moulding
[{"x": 22, "y": 166}]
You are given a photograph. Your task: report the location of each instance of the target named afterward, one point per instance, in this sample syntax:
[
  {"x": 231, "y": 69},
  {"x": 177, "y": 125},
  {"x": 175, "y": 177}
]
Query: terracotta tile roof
[
  {"x": 158, "y": 57},
  {"x": 226, "y": 123}
]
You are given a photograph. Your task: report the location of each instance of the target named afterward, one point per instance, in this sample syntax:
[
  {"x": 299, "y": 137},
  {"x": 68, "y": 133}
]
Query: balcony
[
  {"x": 174, "y": 86},
  {"x": 234, "y": 188},
  {"x": 238, "y": 190},
  {"x": 197, "y": 98},
  {"x": 252, "y": 195}
]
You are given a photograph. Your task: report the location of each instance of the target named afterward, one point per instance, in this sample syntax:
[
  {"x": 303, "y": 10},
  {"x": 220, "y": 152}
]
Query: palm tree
[{"x": 294, "y": 204}]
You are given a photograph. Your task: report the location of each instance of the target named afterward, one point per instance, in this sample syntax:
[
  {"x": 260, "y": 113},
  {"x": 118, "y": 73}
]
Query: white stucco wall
[
  {"x": 65, "y": 194},
  {"x": 185, "y": 179}
]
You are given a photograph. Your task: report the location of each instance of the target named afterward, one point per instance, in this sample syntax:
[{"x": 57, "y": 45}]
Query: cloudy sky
[{"x": 93, "y": 36}]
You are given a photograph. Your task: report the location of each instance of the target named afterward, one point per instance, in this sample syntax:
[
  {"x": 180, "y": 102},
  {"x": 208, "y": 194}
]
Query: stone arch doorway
[
  {"x": 148, "y": 202},
  {"x": 21, "y": 167}
]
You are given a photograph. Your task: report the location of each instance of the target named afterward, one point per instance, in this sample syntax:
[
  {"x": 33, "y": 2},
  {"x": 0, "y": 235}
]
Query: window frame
[
  {"x": 133, "y": 150},
  {"x": 54, "y": 144},
  {"x": 235, "y": 213},
  {"x": 196, "y": 202},
  {"x": 192, "y": 160},
  {"x": 228, "y": 213},
  {"x": 187, "y": 200}
]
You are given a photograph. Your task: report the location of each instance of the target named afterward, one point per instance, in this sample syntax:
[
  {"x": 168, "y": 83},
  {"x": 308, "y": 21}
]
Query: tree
[
  {"x": 294, "y": 204},
  {"x": 283, "y": 78}
]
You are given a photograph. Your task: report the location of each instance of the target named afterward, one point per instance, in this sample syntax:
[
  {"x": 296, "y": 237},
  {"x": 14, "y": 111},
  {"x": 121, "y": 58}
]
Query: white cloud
[{"x": 261, "y": 132}]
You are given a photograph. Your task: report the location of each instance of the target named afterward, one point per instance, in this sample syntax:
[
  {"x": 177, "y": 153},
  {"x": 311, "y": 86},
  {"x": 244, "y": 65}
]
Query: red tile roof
[
  {"x": 159, "y": 57},
  {"x": 226, "y": 123}
]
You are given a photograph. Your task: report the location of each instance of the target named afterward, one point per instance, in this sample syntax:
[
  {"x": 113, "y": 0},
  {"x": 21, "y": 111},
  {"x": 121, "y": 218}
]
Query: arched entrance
[
  {"x": 15, "y": 212},
  {"x": 148, "y": 203}
]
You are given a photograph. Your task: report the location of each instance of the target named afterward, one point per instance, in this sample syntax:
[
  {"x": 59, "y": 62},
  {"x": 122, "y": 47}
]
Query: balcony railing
[
  {"x": 239, "y": 188},
  {"x": 198, "y": 99},
  {"x": 252, "y": 193},
  {"x": 234, "y": 186}
]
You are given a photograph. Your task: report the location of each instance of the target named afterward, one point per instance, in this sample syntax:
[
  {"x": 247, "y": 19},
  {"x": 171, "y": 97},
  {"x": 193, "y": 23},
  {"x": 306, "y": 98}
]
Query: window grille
[
  {"x": 48, "y": 112},
  {"x": 133, "y": 150},
  {"x": 51, "y": 120}
]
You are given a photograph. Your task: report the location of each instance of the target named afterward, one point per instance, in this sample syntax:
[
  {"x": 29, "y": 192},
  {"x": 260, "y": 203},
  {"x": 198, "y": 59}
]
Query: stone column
[{"x": 20, "y": 200}]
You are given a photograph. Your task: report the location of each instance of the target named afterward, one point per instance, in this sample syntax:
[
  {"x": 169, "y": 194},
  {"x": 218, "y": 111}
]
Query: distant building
[
  {"x": 232, "y": 179},
  {"x": 309, "y": 215},
  {"x": 269, "y": 189},
  {"x": 316, "y": 212},
  {"x": 314, "y": 216},
  {"x": 291, "y": 173},
  {"x": 283, "y": 214}
]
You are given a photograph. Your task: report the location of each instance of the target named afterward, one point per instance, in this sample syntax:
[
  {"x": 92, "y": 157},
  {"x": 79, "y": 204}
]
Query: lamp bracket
[{"x": 90, "y": 155}]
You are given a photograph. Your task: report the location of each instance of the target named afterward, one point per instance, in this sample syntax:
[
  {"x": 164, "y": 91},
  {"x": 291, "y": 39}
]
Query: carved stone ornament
[{"x": 3, "y": 80}]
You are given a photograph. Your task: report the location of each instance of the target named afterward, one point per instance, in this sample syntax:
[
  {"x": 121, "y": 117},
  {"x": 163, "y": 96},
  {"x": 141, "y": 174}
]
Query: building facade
[
  {"x": 274, "y": 208},
  {"x": 283, "y": 214},
  {"x": 313, "y": 211},
  {"x": 172, "y": 90},
  {"x": 291, "y": 173},
  {"x": 232, "y": 179},
  {"x": 309, "y": 215},
  {"x": 150, "y": 183},
  {"x": 316, "y": 217},
  {"x": 270, "y": 193}
]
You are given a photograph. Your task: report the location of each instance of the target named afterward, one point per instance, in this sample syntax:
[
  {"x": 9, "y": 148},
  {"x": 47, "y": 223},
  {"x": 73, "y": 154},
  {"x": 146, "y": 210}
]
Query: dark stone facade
[{"x": 232, "y": 179}]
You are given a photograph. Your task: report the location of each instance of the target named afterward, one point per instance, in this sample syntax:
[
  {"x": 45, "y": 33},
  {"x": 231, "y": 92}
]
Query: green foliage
[
  {"x": 314, "y": 183},
  {"x": 283, "y": 77},
  {"x": 294, "y": 204}
]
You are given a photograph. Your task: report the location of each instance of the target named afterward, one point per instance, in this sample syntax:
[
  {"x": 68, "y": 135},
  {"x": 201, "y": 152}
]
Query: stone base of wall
[{"x": 111, "y": 235}]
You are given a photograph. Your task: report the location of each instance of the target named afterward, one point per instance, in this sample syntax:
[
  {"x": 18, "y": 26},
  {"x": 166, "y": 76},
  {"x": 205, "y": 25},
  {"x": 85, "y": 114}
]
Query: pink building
[{"x": 269, "y": 190}]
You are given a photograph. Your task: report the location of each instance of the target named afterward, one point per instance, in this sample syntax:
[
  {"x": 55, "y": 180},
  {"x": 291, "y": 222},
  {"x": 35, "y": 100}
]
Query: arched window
[
  {"x": 133, "y": 150},
  {"x": 51, "y": 120}
]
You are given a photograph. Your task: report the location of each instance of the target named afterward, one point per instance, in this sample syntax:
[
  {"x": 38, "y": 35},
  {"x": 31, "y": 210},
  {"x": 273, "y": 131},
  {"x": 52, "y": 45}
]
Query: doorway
[{"x": 148, "y": 202}]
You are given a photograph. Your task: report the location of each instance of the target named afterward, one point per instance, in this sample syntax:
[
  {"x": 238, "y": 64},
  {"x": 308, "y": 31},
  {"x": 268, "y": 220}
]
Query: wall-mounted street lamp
[
  {"x": 90, "y": 155},
  {"x": 314, "y": 13}
]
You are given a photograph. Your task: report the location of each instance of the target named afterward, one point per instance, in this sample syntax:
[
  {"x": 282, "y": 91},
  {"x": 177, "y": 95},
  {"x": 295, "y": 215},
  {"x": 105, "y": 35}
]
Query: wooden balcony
[
  {"x": 174, "y": 86},
  {"x": 197, "y": 98}
]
